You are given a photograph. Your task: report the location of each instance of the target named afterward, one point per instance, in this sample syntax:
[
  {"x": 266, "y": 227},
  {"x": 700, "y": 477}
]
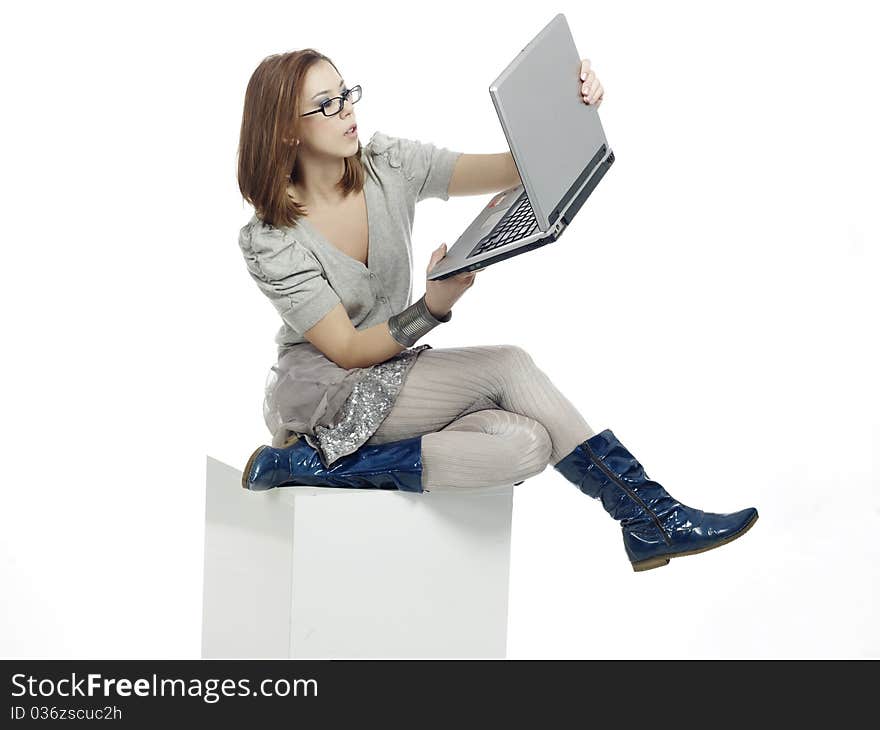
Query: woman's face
[{"x": 322, "y": 135}]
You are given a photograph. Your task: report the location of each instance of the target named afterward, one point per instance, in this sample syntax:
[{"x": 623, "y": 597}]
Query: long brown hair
[{"x": 266, "y": 164}]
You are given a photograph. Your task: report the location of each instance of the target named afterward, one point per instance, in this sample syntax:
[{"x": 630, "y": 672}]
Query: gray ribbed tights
[{"x": 488, "y": 416}]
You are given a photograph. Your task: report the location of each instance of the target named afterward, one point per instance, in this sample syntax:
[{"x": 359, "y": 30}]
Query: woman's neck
[{"x": 318, "y": 186}]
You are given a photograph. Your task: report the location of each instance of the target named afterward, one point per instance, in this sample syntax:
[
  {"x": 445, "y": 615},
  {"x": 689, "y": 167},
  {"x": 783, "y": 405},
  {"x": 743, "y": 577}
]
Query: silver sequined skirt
[{"x": 304, "y": 396}]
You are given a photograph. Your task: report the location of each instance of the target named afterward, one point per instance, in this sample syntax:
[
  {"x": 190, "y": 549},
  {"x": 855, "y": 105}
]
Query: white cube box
[{"x": 324, "y": 572}]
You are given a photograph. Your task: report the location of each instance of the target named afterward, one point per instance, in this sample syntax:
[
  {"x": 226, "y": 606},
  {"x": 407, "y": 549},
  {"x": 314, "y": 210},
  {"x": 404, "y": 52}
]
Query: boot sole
[
  {"x": 247, "y": 469},
  {"x": 662, "y": 560}
]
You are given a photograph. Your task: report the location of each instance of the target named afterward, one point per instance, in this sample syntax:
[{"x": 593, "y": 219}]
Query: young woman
[{"x": 351, "y": 401}]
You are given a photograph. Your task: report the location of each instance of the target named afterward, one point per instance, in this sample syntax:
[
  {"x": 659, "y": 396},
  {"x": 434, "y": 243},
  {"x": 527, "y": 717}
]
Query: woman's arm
[
  {"x": 481, "y": 174},
  {"x": 335, "y": 334},
  {"x": 337, "y": 338}
]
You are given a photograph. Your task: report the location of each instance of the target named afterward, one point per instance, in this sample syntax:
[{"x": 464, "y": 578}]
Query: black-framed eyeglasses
[{"x": 333, "y": 106}]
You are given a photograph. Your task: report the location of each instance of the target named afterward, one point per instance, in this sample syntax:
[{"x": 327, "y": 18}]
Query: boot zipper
[{"x": 598, "y": 462}]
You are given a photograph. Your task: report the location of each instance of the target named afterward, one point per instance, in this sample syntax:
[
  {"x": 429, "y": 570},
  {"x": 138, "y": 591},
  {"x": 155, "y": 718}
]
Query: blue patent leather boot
[
  {"x": 394, "y": 465},
  {"x": 656, "y": 527}
]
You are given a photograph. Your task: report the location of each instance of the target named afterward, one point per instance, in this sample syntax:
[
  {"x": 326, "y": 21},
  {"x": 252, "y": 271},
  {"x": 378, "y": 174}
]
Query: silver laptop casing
[{"x": 556, "y": 140}]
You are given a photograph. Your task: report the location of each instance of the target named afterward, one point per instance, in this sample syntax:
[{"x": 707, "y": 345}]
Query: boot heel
[
  {"x": 658, "y": 562},
  {"x": 245, "y": 475}
]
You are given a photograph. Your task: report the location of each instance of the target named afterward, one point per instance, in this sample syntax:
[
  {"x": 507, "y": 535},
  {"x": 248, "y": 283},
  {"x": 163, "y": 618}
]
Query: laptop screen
[{"x": 552, "y": 133}]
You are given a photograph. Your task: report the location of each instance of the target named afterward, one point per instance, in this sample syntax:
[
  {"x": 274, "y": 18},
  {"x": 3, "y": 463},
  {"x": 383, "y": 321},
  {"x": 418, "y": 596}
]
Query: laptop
[{"x": 558, "y": 145}]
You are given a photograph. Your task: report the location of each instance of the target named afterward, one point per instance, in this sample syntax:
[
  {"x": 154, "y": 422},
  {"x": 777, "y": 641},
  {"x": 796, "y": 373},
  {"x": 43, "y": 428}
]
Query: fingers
[
  {"x": 438, "y": 254},
  {"x": 585, "y": 68},
  {"x": 466, "y": 278},
  {"x": 591, "y": 88},
  {"x": 587, "y": 82}
]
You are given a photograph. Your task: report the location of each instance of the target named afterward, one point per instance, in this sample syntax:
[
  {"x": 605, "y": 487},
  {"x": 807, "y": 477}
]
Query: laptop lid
[{"x": 552, "y": 133}]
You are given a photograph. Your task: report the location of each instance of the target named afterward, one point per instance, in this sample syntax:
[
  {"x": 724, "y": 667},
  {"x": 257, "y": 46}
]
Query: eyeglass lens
[{"x": 334, "y": 106}]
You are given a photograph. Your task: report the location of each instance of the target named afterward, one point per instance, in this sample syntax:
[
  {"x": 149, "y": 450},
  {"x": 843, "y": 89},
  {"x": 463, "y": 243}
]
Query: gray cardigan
[{"x": 305, "y": 276}]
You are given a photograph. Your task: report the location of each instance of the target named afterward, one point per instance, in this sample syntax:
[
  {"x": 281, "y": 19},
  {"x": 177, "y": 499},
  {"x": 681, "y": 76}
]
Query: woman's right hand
[{"x": 440, "y": 295}]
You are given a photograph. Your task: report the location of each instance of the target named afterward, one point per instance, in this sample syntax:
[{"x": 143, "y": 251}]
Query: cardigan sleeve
[
  {"x": 290, "y": 276},
  {"x": 426, "y": 167}
]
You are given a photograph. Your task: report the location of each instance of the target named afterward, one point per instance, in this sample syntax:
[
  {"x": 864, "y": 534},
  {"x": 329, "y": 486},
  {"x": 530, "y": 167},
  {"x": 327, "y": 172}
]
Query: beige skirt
[{"x": 336, "y": 410}]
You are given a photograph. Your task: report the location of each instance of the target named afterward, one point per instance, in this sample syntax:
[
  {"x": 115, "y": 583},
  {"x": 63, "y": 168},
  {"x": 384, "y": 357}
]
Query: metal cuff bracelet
[{"x": 414, "y": 322}]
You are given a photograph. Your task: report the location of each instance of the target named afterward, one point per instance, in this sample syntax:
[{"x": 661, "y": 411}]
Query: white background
[{"x": 714, "y": 304}]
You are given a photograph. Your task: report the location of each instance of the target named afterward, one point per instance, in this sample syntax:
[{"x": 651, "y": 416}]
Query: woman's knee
[
  {"x": 513, "y": 368},
  {"x": 513, "y": 356},
  {"x": 528, "y": 447},
  {"x": 523, "y": 444},
  {"x": 510, "y": 361}
]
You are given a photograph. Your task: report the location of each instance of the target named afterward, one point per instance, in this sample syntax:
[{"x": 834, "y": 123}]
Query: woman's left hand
[{"x": 591, "y": 89}]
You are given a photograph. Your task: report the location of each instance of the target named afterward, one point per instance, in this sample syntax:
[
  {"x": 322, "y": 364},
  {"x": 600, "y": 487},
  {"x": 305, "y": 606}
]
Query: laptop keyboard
[{"x": 517, "y": 223}]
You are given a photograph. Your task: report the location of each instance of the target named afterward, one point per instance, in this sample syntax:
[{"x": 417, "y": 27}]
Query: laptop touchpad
[{"x": 493, "y": 219}]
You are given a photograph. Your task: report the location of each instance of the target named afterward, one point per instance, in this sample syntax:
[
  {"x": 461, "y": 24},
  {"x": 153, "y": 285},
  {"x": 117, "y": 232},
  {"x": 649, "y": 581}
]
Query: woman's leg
[
  {"x": 444, "y": 385},
  {"x": 485, "y": 448}
]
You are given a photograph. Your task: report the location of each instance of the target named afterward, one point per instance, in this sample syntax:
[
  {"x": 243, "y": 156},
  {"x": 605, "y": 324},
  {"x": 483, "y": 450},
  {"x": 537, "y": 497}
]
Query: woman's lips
[{"x": 352, "y": 133}]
